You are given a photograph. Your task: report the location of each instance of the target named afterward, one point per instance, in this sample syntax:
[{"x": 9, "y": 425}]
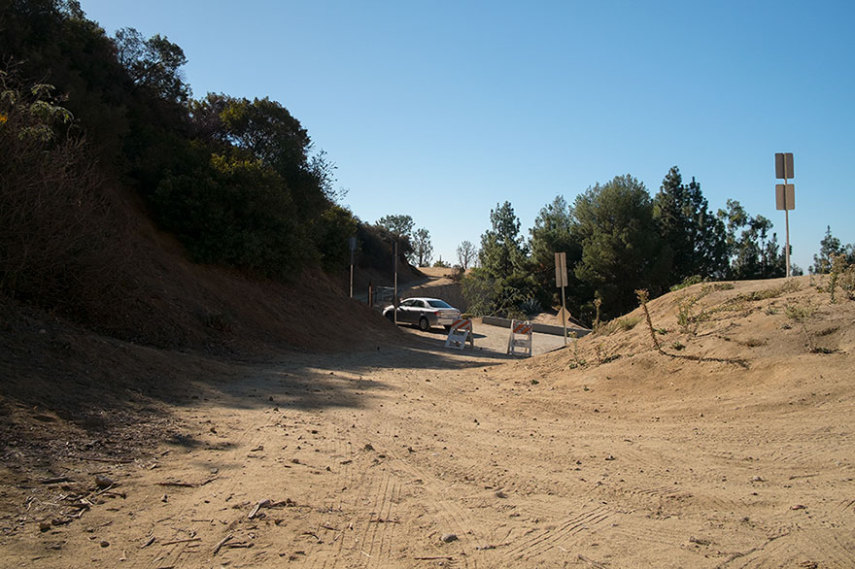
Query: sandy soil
[{"x": 732, "y": 447}]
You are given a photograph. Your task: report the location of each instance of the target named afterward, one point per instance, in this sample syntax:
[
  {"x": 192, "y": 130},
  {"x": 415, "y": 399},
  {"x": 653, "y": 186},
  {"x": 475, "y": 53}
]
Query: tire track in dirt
[
  {"x": 376, "y": 534},
  {"x": 564, "y": 535},
  {"x": 814, "y": 549}
]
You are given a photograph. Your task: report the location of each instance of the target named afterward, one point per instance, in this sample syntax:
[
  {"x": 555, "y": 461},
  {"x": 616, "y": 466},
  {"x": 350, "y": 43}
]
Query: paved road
[{"x": 493, "y": 339}]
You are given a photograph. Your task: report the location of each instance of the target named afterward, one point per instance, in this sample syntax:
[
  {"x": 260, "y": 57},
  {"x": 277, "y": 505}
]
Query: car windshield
[{"x": 439, "y": 304}]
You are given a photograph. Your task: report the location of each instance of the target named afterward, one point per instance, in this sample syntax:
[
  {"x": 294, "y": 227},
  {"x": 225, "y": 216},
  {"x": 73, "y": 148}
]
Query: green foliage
[
  {"x": 234, "y": 212},
  {"x": 334, "y": 228},
  {"x": 399, "y": 228},
  {"x": 153, "y": 64},
  {"x": 799, "y": 312},
  {"x": 531, "y": 307},
  {"x": 694, "y": 238},
  {"x": 61, "y": 243},
  {"x": 620, "y": 243},
  {"x": 754, "y": 254},
  {"x": 841, "y": 272},
  {"x": 502, "y": 250},
  {"x": 553, "y": 233},
  {"x": 830, "y": 247},
  {"x": 376, "y": 246},
  {"x": 687, "y": 282},
  {"x": 618, "y": 324},
  {"x": 503, "y": 283},
  {"x": 490, "y": 296},
  {"x": 399, "y": 225},
  {"x": 687, "y": 318}
]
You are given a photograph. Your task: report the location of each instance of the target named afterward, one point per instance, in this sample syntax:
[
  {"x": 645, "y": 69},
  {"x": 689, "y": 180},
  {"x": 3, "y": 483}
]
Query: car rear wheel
[{"x": 424, "y": 325}]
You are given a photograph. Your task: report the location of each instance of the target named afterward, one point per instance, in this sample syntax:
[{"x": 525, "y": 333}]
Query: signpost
[
  {"x": 561, "y": 282},
  {"x": 352, "y": 244},
  {"x": 395, "y": 298},
  {"x": 785, "y": 194}
]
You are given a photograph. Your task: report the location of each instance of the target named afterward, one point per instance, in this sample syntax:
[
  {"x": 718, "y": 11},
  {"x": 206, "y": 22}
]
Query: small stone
[
  {"x": 105, "y": 543},
  {"x": 448, "y": 537},
  {"x": 102, "y": 481}
]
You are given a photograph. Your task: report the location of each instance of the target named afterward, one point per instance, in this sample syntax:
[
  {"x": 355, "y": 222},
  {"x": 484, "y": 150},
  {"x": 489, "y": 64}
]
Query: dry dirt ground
[{"x": 732, "y": 447}]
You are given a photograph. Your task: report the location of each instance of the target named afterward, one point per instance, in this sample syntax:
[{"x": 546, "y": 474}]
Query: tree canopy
[
  {"x": 694, "y": 237},
  {"x": 621, "y": 246},
  {"x": 236, "y": 180}
]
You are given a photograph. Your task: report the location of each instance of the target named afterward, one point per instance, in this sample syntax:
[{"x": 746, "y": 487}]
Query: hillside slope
[{"x": 731, "y": 448}]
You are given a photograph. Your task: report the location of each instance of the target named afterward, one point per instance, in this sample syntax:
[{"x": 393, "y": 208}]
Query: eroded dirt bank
[{"x": 599, "y": 455}]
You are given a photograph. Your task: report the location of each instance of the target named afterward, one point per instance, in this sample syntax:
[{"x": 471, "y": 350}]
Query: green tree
[
  {"x": 335, "y": 227},
  {"x": 503, "y": 282},
  {"x": 398, "y": 225},
  {"x": 754, "y": 254},
  {"x": 399, "y": 228},
  {"x": 695, "y": 238},
  {"x": 502, "y": 249},
  {"x": 235, "y": 212},
  {"x": 621, "y": 246},
  {"x": 828, "y": 248},
  {"x": 153, "y": 64},
  {"x": 422, "y": 247},
  {"x": 266, "y": 130},
  {"x": 553, "y": 233}
]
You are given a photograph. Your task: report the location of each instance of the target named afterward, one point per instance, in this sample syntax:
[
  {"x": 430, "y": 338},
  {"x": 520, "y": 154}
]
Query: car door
[
  {"x": 406, "y": 311},
  {"x": 416, "y": 311}
]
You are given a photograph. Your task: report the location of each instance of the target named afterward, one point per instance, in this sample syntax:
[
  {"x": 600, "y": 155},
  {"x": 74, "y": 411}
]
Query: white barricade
[
  {"x": 520, "y": 337},
  {"x": 459, "y": 333}
]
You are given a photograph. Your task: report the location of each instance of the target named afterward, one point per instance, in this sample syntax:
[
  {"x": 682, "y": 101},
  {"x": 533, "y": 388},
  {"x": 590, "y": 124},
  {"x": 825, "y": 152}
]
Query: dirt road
[
  {"x": 491, "y": 341},
  {"x": 412, "y": 456}
]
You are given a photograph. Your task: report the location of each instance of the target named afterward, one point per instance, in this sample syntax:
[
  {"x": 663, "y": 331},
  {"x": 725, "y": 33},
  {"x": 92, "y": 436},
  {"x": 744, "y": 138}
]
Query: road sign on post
[
  {"x": 785, "y": 197},
  {"x": 784, "y": 165},
  {"x": 560, "y": 269},
  {"x": 785, "y": 194}
]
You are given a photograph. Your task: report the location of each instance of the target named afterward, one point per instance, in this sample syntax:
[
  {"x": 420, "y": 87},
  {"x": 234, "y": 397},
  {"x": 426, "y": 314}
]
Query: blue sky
[{"x": 444, "y": 109}]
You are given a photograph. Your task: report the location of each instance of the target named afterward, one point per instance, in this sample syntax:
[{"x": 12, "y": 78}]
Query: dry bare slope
[{"x": 732, "y": 451}]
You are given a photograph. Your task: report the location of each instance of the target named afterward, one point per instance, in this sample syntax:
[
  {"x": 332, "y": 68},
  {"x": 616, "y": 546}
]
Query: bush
[{"x": 61, "y": 242}]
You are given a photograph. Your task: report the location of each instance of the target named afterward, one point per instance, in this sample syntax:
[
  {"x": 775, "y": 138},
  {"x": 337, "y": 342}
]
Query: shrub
[{"x": 61, "y": 241}]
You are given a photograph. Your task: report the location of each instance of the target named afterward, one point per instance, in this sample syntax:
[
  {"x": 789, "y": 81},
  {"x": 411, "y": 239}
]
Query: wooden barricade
[
  {"x": 459, "y": 333},
  {"x": 520, "y": 337}
]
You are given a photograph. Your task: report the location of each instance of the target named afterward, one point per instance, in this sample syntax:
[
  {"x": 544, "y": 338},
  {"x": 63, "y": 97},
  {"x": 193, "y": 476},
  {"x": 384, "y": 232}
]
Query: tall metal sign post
[
  {"x": 785, "y": 194},
  {"x": 561, "y": 282}
]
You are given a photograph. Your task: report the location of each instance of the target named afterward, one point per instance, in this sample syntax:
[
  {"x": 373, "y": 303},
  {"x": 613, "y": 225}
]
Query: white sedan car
[{"x": 423, "y": 312}]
